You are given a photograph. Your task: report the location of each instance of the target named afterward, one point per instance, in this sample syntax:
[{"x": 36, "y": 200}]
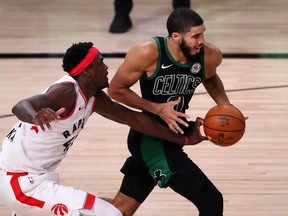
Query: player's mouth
[{"x": 198, "y": 48}]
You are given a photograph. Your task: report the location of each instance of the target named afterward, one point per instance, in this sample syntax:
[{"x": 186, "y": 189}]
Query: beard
[{"x": 186, "y": 50}]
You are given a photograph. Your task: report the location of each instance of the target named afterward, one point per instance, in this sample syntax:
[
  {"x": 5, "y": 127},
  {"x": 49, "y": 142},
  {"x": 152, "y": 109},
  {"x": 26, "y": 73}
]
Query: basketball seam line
[{"x": 225, "y": 115}]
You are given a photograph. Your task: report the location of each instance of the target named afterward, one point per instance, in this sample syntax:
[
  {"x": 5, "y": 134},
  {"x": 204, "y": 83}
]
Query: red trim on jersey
[
  {"x": 19, "y": 195},
  {"x": 93, "y": 107},
  {"x": 19, "y": 174},
  {"x": 89, "y": 201},
  {"x": 72, "y": 111},
  {"x": 70, "y": 114},
  {"x": 35, "y": 128},
  {"x": 83, "y": 96}
]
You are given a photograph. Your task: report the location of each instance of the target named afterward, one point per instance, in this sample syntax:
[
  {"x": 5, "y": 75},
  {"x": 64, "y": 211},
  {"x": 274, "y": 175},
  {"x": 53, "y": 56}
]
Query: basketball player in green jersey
[{"x": 168, "y": 68}]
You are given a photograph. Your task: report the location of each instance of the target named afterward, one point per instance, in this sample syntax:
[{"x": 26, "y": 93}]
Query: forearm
[
  {"x": 215, "y": 88},
  {"x": 137, "y": 120},
  {"x": 131, "y": 99},
  {"x": 143, "y": 122},
  {"x": 24, "y": 111},
  {"x": 151, "y": 127}
]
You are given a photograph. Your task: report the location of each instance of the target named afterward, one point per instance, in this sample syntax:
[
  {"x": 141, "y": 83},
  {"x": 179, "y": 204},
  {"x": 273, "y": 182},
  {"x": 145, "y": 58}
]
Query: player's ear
[
  {"x": 86, "y": 72},
  {"x": 176, "y": 37}
]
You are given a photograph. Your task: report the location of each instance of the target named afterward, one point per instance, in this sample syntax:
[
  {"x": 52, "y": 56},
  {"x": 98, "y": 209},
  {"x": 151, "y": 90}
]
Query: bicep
[
  {"x": 126, "y": 76},
  {"x": 129, "y": 71},
  {"x": 41, "y": 101},
  {"x": 56, "y": 97},
  {"x": 37, "y": 102}
]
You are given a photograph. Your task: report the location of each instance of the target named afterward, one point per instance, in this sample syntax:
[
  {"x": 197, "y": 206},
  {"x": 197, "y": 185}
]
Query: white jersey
[
  {"x": 28, "y": 183},
  {"x": 27, "y": 148}
]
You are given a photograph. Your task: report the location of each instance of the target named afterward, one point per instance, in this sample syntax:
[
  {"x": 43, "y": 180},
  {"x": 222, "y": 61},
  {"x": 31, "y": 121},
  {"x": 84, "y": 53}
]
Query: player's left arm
[
  {"x": 212, "y": 82},
  {"x": 144, "y": 123}
]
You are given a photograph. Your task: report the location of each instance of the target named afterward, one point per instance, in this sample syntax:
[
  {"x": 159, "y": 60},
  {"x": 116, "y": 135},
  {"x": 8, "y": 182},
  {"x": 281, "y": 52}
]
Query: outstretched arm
[{"x": 144, "y": 123}]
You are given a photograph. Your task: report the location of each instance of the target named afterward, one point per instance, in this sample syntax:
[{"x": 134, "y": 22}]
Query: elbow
[
  {"x": 15, "y": 108},
  {"x": 111, "y": 92},
  {"x": 115, "y": 94}
]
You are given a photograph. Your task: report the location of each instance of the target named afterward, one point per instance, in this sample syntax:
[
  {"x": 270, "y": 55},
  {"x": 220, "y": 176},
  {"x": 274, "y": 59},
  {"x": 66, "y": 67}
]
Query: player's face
[
  {"x": 100, "y": 73},
  {"x": 192, "y": 41}
]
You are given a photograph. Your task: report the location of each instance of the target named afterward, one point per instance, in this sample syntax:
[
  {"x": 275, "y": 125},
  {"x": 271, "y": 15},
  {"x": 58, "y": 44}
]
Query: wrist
[
  {"x": 186, "y": 140},
  {"x": 158, "y": 109}
]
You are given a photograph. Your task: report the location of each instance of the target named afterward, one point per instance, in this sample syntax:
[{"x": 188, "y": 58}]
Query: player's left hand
[{"x": 194, "y": 136}]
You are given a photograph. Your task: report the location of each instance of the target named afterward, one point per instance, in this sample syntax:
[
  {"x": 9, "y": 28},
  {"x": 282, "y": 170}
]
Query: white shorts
[{"x": 30, "y": 195}]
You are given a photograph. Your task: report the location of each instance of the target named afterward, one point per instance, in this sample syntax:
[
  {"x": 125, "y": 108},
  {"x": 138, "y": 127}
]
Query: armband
[{"x": 186, "y": 140}]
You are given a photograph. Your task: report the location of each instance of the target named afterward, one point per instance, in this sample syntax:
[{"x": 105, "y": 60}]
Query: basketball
[{"x": 224, "y": 124}]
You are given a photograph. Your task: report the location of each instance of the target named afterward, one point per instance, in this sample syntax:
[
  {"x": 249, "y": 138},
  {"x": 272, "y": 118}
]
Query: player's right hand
[
  {"x": 172, "y": 117},
  {"x": 45, "y": 116},
  {"x": 194, "y": 136}
]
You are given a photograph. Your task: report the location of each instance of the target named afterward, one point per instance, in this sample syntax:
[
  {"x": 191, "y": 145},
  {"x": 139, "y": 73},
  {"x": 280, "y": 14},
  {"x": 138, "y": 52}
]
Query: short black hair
[
  {"x": 182, "y": 19},
  {"x": 75, "y": 54}
]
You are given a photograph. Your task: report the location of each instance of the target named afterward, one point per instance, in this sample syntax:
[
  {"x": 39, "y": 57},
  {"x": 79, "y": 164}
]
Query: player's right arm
[
  {"x": 44, "y": 108},
  {"x": 141, "y": 60},
  {"x": 135, "y": 65}
]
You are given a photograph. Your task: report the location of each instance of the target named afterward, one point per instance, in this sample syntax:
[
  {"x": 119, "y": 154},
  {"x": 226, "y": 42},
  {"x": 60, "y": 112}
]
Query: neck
[
  {"x": 175, "y": 51},
  {"x": 85, "y": 89}
]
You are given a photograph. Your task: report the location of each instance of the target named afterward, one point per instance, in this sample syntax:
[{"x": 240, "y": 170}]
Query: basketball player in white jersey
[{"x": 48, "y": 125}]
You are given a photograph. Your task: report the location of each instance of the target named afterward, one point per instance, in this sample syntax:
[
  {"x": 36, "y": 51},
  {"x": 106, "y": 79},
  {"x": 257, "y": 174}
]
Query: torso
[
  {"x": 38, "y": 151},
  {"x": 172, "y": 79}
]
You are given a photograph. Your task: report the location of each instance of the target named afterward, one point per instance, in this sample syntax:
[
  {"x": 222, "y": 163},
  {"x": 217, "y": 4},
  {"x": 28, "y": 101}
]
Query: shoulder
[
  {"x": 212, "y": 59},
  {"x": 146, "y": 52},
  {"x": 212, "y": 54},
  {"x": 62, "y": 95},
  {"x": 62, "y": 88}
]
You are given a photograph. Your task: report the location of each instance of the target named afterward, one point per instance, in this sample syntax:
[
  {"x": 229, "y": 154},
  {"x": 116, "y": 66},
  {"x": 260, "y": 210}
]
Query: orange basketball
[{"x": 224, "y": 124}]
